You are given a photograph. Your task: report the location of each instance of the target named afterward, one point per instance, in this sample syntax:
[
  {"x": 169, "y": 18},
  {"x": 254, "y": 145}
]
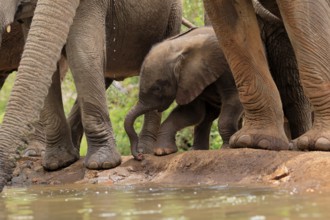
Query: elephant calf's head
[{"x": 158, "y": 82}]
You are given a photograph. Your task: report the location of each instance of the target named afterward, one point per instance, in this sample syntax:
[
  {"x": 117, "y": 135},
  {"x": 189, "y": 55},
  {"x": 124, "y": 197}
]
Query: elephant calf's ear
[{"x": 192, "y": 75}]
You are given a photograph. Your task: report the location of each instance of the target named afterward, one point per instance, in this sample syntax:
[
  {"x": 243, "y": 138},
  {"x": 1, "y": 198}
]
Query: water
[{"x": 159, "y": 202}]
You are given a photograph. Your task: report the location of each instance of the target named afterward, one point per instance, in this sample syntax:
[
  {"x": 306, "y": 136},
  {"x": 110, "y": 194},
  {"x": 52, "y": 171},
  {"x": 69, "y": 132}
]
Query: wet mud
[{"x": 300, "y": 171}]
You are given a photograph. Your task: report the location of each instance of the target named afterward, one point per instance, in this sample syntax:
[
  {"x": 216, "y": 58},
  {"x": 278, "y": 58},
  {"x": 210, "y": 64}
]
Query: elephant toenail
[
  {"x": 53, "y": 166},
  {"x": 244, "y": 141},
  {"x": 107, "y": 165},
  {"x": 93, "y": 165},
  {"x": 170, "y": 150},
  {"x": 322, "y": 144},
  {"x": 30, "y": 153},
  {"x": 264, "y": 144},
  {"x": 303, "y": 143},
  {"x": 158, "y": 151},
  {"x": 232, "y": 140},
  {"x": 292, "y": 145}
]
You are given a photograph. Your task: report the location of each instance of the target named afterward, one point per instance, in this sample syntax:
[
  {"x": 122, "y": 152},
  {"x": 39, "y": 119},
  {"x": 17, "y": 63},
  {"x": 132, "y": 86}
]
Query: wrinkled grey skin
[
  {"x": 192, "y": 70},
  {"x": 94, "y": 51},
  {"x": 307, "y": 25},
  {"x": 283, "y": 68},
  {"x": 10, "y": 55}
]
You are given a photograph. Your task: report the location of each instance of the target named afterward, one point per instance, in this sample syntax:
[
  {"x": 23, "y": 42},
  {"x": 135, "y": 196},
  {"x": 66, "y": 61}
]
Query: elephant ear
[{"x": 198, "y": 66}]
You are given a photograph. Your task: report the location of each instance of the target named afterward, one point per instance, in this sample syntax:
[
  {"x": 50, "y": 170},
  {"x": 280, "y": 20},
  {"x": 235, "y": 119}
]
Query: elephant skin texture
[
  {"x": 307, "y": 25},
  {"x": 10, "y": 55},
  {"x": 283, "y": 68},
  {"x": 191, "y": 69},
  {"x": 103, "y": 39}
]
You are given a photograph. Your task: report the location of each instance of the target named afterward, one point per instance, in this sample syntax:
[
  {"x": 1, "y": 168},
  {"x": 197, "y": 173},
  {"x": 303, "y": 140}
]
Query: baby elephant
[{"x": 191, "y": 69}]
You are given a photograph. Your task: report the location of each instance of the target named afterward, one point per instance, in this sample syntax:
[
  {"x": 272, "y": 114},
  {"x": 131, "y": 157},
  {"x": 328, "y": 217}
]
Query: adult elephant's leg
[
  {"x": 182, "y": 116},
  {"x": 86, "y": 56},
  {"x": 308, "y": 26},
  {"x": 202, "y": 130},
  {"x": 75, "y": 123},
  {"x": 299, "y": 117},
  {"x": 37, "y": 141},
  {"x": 59, "y": 151},
  {"x": 37, "y": 65},
  {"x": 236, "y": 27},
  {"x": 148, "y": 134},
  {"x": 283, "y": 66}
]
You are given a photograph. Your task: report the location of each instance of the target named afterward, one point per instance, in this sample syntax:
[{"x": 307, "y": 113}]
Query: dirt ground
[{"x": 300, "y": 171}]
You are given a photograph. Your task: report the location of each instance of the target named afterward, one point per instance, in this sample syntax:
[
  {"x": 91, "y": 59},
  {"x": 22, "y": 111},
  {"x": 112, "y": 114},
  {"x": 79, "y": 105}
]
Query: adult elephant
[
  {"x": 307, "y": 24},
  {"x": 10, "y": 55},
  {"x": 103, "y": 38},
  {"x": 284, "y": 70},
  {"x": 13, "y": 44},
  {"x": 10, "y": 51}
]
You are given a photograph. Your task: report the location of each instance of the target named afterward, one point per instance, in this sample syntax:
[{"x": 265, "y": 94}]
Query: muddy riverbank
[{"x": 301, "y": 171}]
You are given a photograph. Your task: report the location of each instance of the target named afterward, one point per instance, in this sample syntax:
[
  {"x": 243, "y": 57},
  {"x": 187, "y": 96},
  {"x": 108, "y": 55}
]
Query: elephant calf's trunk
[{"x": 137, "y": 111}]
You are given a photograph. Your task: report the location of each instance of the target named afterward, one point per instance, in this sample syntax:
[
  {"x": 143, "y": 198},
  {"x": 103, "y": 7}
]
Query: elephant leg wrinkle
[
  {"x": 238, "y": 33},
  {"x": 308, "y": 26}
]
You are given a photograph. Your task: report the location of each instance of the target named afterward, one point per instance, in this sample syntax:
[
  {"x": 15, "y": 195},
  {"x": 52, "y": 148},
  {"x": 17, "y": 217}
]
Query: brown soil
[{"x": 302, "y": 171}]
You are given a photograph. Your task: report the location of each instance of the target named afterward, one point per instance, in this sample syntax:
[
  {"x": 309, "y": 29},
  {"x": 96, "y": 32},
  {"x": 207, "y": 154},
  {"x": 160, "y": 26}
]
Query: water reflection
[{"x": 159, "y": 202}]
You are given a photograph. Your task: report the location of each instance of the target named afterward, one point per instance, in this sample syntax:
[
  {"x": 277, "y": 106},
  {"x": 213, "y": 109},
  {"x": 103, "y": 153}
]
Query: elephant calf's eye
[{"x": 157, "y": 89}]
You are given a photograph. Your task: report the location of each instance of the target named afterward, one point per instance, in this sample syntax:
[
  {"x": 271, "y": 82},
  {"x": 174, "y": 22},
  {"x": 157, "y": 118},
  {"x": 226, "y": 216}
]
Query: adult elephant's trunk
[
  {"x": 138, "y": 110},
  {"x": 47, "y": 36}
]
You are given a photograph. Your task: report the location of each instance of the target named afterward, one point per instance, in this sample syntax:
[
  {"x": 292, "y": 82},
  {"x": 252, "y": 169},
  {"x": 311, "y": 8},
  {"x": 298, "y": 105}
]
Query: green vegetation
[
  {"x": 194, "y": 11},
  {"x": 120, "y": 102}
]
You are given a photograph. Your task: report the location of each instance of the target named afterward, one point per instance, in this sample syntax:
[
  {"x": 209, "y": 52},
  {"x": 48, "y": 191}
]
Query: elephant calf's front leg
[
  {"x": 182, "y": 116},
  {"x": 148, "y": 135}
]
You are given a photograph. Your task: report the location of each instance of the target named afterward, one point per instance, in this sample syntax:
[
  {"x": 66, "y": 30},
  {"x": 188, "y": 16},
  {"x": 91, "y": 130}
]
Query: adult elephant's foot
[
  {"x": 225, "y": 146},
  {"x": 59, "y": 157},
  {"x": 105, "y": 157},
  {"x": 35, "y": 149},
  {"x": 314, "y": 139},
  {"x": 268, "y": 138}
]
